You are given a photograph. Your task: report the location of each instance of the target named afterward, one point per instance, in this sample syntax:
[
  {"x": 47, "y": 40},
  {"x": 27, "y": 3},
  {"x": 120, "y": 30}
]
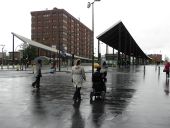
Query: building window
[
  {"x": 64, "y": 15},
  {"x": 65, "y": 21},
  {"x": 65, "y": 33},
  {"x": 46, "y": 15},
  {"x": 65, "y": 27},
  {"x": 64, "y": 39}
]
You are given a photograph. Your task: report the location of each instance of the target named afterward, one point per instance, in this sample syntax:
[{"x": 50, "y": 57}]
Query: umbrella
[{"x": 42, "y": 58}]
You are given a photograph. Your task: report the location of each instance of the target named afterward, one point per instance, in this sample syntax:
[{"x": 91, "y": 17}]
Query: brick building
[
  {"x": 156, "y": 58},
  {"x": 59, "y": 29}
]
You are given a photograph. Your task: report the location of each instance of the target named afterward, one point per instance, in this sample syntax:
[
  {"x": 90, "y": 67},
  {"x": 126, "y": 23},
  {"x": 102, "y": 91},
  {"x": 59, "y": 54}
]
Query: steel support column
[
  {"x": 125, "y": 48},
  {"x": 13, "y": 61},
  {"x": 130, "y": 47},
  {"x": 119, "y": 47}
]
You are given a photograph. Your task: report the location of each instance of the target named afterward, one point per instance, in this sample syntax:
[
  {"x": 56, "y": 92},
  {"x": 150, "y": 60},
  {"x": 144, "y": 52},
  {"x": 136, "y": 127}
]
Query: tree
[{"x": 29, "y": 54}]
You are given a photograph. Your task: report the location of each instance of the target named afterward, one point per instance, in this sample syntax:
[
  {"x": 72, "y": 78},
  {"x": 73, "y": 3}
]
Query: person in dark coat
[
  {"x": 104, "y": 70},
  {"x": 166, "y": 69},
  {"x": 98, "y": 80},
  {"x": 36, "y": 83}
]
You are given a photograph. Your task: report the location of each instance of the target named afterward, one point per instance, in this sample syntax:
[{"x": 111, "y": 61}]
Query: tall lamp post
[
  {"x": 2, "y": 55},
  {"x": 88, "y": 6}
]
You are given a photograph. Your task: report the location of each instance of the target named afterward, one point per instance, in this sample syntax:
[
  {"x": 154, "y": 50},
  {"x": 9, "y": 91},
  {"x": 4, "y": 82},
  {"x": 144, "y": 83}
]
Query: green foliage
[{"x": 29, "y": 53}]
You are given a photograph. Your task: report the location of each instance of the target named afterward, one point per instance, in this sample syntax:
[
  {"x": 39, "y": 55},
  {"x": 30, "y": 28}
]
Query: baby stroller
[{"x": 99, "y": 87}]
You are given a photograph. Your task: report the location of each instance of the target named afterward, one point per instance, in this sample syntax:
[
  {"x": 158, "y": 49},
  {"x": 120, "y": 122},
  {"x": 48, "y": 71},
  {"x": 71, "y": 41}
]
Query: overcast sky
[{"x": 148, "y": 21}]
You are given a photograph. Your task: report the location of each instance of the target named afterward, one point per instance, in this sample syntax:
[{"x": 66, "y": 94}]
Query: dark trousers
[
  {"x": 36, "y": 83},
  {"x": 77, "y": 95},
  {"x": 167, "y": 74}
]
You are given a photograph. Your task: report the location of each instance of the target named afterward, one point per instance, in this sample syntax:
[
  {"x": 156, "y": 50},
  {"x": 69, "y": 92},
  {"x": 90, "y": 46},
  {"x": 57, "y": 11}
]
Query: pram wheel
[{"x": 97, "y": 96}]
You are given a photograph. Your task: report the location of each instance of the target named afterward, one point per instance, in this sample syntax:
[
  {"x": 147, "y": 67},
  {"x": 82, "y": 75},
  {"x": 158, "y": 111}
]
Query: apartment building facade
[{"x": 59, "y": 29}]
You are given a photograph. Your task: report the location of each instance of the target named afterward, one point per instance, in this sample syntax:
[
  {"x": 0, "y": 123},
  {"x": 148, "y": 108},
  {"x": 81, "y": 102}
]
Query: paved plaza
[{"x": 136, "y": 97}]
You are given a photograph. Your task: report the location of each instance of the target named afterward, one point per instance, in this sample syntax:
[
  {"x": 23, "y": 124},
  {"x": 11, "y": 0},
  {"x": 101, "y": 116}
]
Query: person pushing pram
[
  {"x": 99, "y": 87},
  {"x": 98, "y": 80}
]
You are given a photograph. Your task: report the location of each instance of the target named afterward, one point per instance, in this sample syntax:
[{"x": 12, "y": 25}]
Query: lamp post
[
  {"x": 88, "y": 6},
  {"x": 20, "y": 56},
  {"x": 65, "y": 56},
  {"x": 59, "y": 54},
  {"x": 2, "y": 55},
  {"x": 72, "y": 51},
  {"x": 18, "y": 46}
]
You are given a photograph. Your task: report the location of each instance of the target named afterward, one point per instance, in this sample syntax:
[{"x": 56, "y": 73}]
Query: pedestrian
[
  {"x": 17, "y": 67},
  {"x": 78, "y": 76},
  {"x": 98, "y": 80},
  {"x": 104, "y": 70},
  {"x": 166, "y": 68},
  {"x": 36, "y": 83}
]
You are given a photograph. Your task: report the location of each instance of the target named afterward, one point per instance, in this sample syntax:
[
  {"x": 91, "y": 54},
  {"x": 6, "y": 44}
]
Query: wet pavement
[{"x": 135, "y": 98}]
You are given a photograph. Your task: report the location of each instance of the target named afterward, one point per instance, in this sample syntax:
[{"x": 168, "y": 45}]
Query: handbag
[{"x": 164, "y": 70}]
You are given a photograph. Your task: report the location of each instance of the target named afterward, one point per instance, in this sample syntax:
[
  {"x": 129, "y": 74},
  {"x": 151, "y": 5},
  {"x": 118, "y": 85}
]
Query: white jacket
[{"x": 78, "y": 75}]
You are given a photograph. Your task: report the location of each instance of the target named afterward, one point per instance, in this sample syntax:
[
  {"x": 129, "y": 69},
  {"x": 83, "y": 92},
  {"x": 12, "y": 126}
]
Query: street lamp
[
  {"x": 2, "y": 55},
  {"x": 72, "y": 34},
  {"x": 20, "y": 56},
  {"x": 18, "y": 46},
  {"x": 88, "y": 6}
]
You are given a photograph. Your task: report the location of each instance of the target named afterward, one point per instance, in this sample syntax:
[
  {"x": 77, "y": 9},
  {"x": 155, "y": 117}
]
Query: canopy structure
[
  {"x": 120, "y": 39},
  {"x": 42, "y": 46}
]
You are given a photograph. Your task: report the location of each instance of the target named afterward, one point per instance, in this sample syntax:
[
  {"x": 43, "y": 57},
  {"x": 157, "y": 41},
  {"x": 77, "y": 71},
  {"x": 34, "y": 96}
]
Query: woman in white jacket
[{"x": 78, "y": 76}]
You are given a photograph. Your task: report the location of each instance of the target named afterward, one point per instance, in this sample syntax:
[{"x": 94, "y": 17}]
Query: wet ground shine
[{"x": 135, "y": 98}]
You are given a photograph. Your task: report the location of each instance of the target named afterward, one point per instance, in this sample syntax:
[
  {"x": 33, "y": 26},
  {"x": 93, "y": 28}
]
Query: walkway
[{"x": 136, "y": 98}]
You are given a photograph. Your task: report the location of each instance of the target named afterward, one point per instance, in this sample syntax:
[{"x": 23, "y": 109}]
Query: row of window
[
  {"x": 49, "y": 21},
  {"x": 64, "y": 27},
  {"x": 72, "y": 38}
]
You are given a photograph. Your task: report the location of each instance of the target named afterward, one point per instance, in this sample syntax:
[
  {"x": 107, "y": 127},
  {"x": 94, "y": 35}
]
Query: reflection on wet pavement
[
  {"x": 77, "y": 119},
  {"x": 166, "y": 88},
  {"x": 137, "y": 97},
  {"x": 98, "y": 113}
]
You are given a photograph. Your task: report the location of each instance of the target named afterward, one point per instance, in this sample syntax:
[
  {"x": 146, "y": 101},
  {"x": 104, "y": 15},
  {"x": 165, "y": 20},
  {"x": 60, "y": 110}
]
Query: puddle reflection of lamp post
[
  {"x": 88, "y": 6},
  {"x": 2, "y": 55}
]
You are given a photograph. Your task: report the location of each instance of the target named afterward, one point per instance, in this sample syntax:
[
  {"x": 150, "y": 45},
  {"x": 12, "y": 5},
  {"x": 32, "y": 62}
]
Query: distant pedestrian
[
  {"x": 36, "y": 83},
  {"x": 166, "y": 68},
  {"x": 17, "y": 67},
  {"x": 104, "y": 70},
  {"x": 78, "y": 76}
]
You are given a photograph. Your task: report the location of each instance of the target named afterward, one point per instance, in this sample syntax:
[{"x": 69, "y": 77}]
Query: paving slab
[{"x": 135, "y": 98}]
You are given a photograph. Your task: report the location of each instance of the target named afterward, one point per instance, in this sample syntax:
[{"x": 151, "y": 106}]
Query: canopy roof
[
  {"x": 120, "y": 39},
  {"x": 42, "y": 46}
]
